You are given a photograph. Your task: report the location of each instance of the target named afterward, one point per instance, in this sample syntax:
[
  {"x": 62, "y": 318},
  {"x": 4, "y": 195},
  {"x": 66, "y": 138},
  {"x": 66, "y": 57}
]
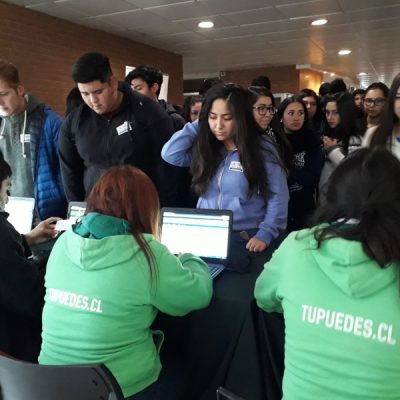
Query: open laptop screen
[
  {"x": 204, "y": 233},
  {"x": 21, "y": 213}
]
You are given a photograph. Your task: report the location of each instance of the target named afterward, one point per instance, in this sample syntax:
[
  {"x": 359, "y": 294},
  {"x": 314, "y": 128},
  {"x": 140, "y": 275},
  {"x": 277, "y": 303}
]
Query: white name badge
[
  {"x": 25, "y": 138},
  {"x": 236, "y": 166},
  {"x": 123, "y": 128}
]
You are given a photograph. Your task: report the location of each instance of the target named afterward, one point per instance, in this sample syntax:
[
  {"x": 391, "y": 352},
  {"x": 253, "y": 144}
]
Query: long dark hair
[
  {"x": 284, "y": 146},
  {"x": 365, "y": 186},
  {"x": 348, "y": 119},
  {"x": 208, "y": 152},
  {"x": 384, "y": 131},
  {"x": 128, "y": 193}
]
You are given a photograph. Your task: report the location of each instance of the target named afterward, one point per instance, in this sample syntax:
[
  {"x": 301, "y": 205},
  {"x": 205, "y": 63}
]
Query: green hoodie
[
  {"x": 100, "y": 300},
  {"x": 342, "y": 319}
]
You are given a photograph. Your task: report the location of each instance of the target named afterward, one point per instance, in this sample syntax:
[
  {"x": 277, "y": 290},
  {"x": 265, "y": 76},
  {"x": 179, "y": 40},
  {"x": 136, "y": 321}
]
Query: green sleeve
[
  {"x": 268, "y": 285},
  {"x": 183, "y": 284}
]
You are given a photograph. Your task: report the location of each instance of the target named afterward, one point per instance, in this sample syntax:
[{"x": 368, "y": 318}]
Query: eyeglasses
[
  {"x": 263, "y": 110},
  {"x": 195, "y": 112},
  {"x": 397, "y": 97},
  {"x": 374, "y": 102}
]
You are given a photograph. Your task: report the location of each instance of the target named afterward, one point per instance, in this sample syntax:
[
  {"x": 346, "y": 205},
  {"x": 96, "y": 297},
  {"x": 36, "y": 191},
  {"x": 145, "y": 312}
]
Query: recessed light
[
  {"x": 332, "y": 74},
  {"x": 344, "y": 52},
  {"x": 205, "y": 24},
  {"x": 319, "y": 22}
]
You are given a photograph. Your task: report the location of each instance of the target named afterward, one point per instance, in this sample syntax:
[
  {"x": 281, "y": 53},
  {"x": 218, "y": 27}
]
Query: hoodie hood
[
  {"x": 32, "y": 102},
  {"x": 101, "y": 241},
  {"x": 345, "y": 263}
]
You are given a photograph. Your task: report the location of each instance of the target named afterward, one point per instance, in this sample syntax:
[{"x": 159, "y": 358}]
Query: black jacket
[
  {"x": 177, "y": 119},
  {"x": 90, "y": 143},
  {"x": 21, "y": 295}
]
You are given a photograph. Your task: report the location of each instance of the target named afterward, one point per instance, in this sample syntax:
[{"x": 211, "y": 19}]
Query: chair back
[{"x": 20, "y": 380}]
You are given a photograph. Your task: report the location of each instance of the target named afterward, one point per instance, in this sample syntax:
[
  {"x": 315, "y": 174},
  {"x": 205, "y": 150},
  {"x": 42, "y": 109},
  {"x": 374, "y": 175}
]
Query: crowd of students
[{"x": 126, "y": 153}]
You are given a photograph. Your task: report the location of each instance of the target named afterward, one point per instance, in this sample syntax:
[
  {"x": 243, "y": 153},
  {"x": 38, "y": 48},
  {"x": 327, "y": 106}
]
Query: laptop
[
  {"x": 204, "y": 233},
  {"x": 21, "y": 213}
]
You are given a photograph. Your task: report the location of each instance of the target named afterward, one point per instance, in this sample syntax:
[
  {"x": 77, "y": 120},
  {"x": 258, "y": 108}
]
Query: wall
[
  {"x": 284, "y": 79},
  {"x": 310, "y": 79},
  {"x": 44, "y": 48}
]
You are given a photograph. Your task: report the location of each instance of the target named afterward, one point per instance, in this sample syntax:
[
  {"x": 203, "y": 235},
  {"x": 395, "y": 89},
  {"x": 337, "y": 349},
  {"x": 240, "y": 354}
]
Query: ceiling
[{"x": 252, "y": 33}]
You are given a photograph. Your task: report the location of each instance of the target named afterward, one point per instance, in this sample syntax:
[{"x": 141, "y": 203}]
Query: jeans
[{"x": 241, "y": 259}]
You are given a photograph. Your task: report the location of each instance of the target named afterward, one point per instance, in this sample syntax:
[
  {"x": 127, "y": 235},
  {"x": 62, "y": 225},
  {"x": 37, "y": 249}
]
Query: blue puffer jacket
[{"x": 44, "y": 127}]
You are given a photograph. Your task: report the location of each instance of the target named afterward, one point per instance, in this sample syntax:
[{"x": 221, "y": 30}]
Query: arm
[
  {"x": 21, "y": 280},
  {"x": 183, "y": 284},
  {"x": 72, "y": 166},
  {"x": 178, "y": 150},
  {"x": 275, "y": 218},
  {"x": 267, "y": 289}
]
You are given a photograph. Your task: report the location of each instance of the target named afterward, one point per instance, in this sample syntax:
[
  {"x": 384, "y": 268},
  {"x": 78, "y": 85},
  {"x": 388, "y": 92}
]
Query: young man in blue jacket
[{"x": 28, "y": 140}]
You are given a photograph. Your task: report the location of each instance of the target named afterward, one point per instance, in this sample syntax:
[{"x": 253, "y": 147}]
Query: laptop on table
[{"x": 204, "y": 233}]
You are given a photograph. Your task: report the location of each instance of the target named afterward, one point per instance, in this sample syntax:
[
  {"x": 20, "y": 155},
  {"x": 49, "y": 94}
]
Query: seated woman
[
  {"x": 21, "y": 281},
  {"x": 234, "y": 167},
  {"x": 107, "y": 278},
  {"x": 306, "y": 163},
  {"x": 337, "y": 285}
]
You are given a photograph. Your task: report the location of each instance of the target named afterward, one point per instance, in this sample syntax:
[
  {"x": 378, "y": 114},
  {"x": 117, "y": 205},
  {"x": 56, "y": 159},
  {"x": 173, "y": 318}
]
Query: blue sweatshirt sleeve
[
  {"x": 276, "y": 212},
  {"x": 178, "y": 150}
]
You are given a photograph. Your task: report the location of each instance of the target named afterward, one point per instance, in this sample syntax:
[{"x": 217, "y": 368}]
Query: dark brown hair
[
  {"x": 128, "y": 193},
  {"x": 9, "y": 73}
]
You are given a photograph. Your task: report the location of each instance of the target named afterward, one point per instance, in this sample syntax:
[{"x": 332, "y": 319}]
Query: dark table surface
[{"x": 230, "y": 343}]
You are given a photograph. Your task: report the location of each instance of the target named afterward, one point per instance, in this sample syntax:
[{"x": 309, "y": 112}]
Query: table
[{"x": 231, "y": 343}]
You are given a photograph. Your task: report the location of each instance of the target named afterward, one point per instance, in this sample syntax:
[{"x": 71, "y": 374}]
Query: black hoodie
[
  {"x": 21, "y": 295},
  {"x": 91, "y": 143}
]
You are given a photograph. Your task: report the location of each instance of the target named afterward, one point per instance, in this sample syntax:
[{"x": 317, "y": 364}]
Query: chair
[
  {"x": 20, "y": 380},
  {"x": 224, "y": 394}
]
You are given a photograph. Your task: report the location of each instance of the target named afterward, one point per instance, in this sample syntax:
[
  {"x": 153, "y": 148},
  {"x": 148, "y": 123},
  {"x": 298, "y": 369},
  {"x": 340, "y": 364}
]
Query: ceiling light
[
  {"x": 332, "y": 74},
  {"x": 319, "y": 22},
  {"x": 362, "y": 74},
  {"x": 205, "y": 24},
  {"x": 344, "y": 52}
]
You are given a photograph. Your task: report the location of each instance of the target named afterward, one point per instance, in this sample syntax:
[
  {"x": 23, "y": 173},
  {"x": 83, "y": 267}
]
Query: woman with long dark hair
[
  {"x": 337, "y": 285},
  {"x": 343, "y": 132},
  {"x": 314, "y": 112},
  {"x": 234, "y": 167},
  {"x": 191, "y": 107},
  {"x": 306, "y": 163},
  {"x": 387, "y": 134},
  {"x": 264, "y": 111},
  {"x": 107, "y": 278}
]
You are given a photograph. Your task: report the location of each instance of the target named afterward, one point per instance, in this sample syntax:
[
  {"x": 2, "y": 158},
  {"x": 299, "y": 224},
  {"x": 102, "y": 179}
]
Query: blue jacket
[
  {"x": 228, "y": 188},
  {"x": 44, "y": 127}
]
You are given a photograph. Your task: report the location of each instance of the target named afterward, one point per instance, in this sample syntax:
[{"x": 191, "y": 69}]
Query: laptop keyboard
[{"x": 215, "y": 269}]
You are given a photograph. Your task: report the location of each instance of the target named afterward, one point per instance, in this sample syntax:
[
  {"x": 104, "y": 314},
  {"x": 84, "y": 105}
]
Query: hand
[
  {"x": 44, "y": 231},
  {"x": 329, "y": 142},
  {"x": 255, "y": 245}
]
